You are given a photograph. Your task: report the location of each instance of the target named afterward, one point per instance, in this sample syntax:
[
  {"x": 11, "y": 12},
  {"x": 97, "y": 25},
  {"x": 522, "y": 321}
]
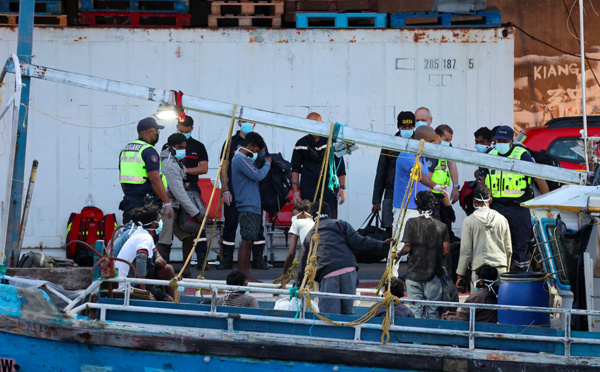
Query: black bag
[
  {"x": 449, "y": 292},
  {"x": 376, "y": 232},
  {"x": 275, "y": 187},
  {"x": 186, "y": 222}
]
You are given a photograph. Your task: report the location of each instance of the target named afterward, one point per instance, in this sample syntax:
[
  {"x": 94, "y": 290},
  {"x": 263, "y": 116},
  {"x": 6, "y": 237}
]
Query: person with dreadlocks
[
  {"x": 428, "y": 241},
  {"x": 485, "y": 238},
  {"x": 485, "y": 293}
]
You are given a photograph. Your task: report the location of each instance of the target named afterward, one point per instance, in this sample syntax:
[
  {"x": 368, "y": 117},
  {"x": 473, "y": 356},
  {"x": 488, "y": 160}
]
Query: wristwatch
[
  {"x": 343, "y": 187},
  {"x": 456, "y": 186}
]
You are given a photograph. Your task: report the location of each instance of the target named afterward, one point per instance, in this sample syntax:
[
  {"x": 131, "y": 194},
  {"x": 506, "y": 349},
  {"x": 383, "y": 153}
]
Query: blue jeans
[{"x": 430, "y": 291}]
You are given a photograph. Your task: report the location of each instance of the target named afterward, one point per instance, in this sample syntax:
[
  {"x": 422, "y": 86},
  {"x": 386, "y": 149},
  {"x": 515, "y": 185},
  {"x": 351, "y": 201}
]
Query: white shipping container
[{"x": 360, "y": 77}]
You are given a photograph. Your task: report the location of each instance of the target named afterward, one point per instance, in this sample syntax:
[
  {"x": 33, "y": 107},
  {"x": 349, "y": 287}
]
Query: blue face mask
[
  {"x": 261, "y": 153},
  {"x": 503, "y": 148},
  {"x": 179, "y": 154},
  {"x": 420, "y": 124},
  {"x": 444, "y": 143},
  {"x": 408, "y": 133},
  {"x": 481, "y": 148},
  {"x": 159, "y": 228},
  {"x": 247, "y": 127},
  {"x": 187, "y": 135}
]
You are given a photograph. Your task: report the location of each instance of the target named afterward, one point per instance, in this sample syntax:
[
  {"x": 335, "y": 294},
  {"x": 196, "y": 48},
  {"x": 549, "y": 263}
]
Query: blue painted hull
[{"x": 34, "y": 354}]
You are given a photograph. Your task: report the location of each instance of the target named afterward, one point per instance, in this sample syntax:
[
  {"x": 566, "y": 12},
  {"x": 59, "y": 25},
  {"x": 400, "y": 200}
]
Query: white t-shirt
[
  {"x": 301, "y": 227},
  {"x": 139, "y": 240}
]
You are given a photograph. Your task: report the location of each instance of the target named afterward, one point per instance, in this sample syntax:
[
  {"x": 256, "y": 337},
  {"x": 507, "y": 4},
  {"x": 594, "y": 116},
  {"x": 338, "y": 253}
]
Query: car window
[{"x": 561, "y": 149}]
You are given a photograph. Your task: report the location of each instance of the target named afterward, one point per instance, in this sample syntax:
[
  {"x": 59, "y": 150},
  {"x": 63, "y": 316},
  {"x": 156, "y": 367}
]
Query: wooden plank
[
  {"x": 244, "y": 21},
  {"x": 40, "y": 20},
  {"x": 70, "y": 278},
  {"x": 270, "y": 8}
]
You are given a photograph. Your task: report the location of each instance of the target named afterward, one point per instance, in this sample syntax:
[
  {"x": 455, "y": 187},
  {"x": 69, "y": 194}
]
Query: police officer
[
  {"x": 196, "y": 163},
  {"x": 509, "y": 190},
  {"x": 230, "y": 211},
  {"x": 439, "y": 171},
  {"x": 386, "y": 173},
  {"x": 139, "y": 171},
  {"x": 307, "y": 159}
]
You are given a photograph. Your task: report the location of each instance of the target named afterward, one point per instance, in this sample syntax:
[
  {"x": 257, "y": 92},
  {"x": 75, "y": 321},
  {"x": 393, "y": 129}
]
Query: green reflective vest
[
  {"x": 508, "y": 185},
  {"x": 441, "y": 175},
  {"x": 132, "y": 166}
]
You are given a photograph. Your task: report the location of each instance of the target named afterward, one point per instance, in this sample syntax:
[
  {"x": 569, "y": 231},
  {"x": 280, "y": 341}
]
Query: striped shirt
[{"x": 237, "y": 299}]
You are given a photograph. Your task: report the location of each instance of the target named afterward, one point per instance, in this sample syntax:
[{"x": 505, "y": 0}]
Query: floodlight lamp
[{"x": 166, "y": 111}]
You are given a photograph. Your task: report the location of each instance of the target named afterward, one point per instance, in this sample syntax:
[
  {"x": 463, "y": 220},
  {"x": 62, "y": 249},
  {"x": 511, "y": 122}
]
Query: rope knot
[
  {"x": 173, "y": 283},
  {"x": 315, "y": 238}
]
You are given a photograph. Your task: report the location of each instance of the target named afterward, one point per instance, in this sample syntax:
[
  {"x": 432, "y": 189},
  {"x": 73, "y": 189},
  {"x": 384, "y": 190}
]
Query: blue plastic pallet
[
  {"x": 341, "y": 19},
  {"x": 491, "y": 17},
  {"x": 50, "y": 7},
  {"x": 178, "y": 6}
]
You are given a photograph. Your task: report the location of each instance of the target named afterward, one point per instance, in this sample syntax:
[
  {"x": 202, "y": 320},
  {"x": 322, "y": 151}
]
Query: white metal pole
[{"x": 583, "y": 99}]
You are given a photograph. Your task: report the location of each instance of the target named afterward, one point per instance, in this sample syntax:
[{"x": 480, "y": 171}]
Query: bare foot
[{"x": 253, "y": 279}]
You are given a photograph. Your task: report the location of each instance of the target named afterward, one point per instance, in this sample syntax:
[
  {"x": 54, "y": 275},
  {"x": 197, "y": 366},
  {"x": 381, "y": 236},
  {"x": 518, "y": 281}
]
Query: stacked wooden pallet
[
  {"x": 135, "y": 13},
  {"x": 294, "y": 6},
  {"x": 246, "y": 14},
  {"x": 47, "y": 13}
]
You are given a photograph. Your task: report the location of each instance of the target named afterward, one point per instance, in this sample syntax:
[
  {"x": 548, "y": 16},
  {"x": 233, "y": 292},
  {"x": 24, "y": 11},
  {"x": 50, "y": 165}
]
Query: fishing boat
[{"x": 44, "y": 328}]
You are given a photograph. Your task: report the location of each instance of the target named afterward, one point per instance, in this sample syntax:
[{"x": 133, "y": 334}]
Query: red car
[{"x": 558, "y": 136}]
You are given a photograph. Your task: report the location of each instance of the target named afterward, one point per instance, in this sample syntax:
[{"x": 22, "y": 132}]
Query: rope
[
  {"x": 173, "y": 283},
  {"x": 225, "y": 155}
]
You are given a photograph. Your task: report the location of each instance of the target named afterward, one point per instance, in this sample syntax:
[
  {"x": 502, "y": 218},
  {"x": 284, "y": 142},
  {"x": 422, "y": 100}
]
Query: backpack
[
  {"x": 89, "y": 226},
  {"x": 36, "y": 260},
  {"x": 466, "y": 197},
  {"x": 275, "y": 187},
  {"x": 542, "y": 157}
]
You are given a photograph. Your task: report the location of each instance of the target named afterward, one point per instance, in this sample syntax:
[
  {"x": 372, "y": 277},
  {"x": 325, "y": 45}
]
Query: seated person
[
  {"x": 302, "y": 222},
  {"x": 487, "y": 276},
  {"x": 397, "y": 288},
  {"x": 139, "y": 249},
  {"x": 237, "y": 299}
]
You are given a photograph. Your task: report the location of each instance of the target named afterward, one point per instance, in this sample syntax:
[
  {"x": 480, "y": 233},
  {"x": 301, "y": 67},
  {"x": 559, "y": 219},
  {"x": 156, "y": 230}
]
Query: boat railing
[{"x": 565, "y": 338}]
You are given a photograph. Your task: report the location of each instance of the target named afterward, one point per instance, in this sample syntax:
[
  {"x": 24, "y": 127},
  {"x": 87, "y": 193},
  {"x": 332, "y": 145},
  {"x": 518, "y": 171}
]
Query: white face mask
[
  {"x": 485, "y": 202},
  {"x": 426, "y": 214}
]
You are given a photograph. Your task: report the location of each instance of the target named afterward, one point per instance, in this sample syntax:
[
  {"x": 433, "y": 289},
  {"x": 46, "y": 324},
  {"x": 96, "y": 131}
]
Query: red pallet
[{"x": 135, "y": 19}]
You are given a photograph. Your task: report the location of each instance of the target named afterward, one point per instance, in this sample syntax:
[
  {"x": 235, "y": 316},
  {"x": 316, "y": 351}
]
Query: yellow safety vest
[
  {"x": 508, "y": 185},
  {"x": 132, "y": 166},
  {"x": 441, "y": 175}
]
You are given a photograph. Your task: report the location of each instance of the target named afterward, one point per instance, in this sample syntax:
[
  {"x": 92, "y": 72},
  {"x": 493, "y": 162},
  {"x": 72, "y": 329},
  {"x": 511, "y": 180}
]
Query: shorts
[
  {"x": 249, "y": 225},
  {"x": 171, "y": 227}
]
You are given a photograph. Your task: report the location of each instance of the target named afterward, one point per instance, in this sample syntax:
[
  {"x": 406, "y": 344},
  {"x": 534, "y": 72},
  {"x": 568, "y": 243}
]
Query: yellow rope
[{"x": 173, "y": 282}]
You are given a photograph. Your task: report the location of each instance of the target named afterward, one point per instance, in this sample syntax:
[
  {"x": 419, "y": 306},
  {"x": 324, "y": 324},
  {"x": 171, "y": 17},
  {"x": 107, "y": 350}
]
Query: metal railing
[{"x": 567, "y": 340}]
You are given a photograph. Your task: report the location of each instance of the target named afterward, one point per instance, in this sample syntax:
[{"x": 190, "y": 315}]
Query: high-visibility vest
[
  {"x": 441, "y": 175},
  {"x": 132, "y": 166},
  {"x": 508, "y": 185}
]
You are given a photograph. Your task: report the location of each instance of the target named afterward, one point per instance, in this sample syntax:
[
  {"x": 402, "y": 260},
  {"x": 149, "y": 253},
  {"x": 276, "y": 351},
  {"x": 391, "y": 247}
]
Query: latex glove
[
  {"x": 169, "y": 210},
  {"x": 341, "y": 196},
  {"x": 454, "y": 195},
  {"x": 227, "y": 198},
  {"x": 439, "y": 188},
  {"x": 376, "y": 207},
  {"x": 296, "y": 197}
]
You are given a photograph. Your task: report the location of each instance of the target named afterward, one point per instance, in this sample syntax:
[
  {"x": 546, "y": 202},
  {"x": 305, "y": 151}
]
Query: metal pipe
[
  {"x": 12, "y": 146},
  {"x": 57, "y": 293},
  {"x": 17, "y": 174},
  {"x": 8, "y": 105},
  {"x": 28, "y": 197},
  {"x": 82, "y": 295},
  {"x": 583, "y": 85},
  {"x": 359, "y": 136},
  {"x": 213, "y": 287}
]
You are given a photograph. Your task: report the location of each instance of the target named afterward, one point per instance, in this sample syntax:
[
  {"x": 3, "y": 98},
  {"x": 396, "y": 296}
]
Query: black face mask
[{"x": 155, "y": 141}]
